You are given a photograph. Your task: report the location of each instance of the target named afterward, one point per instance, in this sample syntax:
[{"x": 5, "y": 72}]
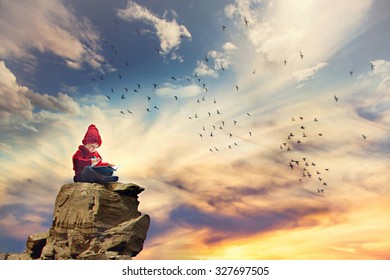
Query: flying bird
[
  {"x": 364, "y": 137},
  {"x": 301, "y": 55},
  {"x": 246, "y": 21},
  {"x": 223, "y": 27},
  {"x": 173, "y": 78},
  {"x": 351, "y": 73},
  {"x": 154, "y": 85},
  {"x": 285, "y": 62}
]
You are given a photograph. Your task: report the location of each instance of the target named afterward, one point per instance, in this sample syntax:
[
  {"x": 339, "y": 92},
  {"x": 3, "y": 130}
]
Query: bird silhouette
[
  {"x": 123, "y": 96},
  {"x": 301, "y": 55},
  {"x": 130, "y": 112},
  {"x": 108, "y": 97},
  {"x": 173, "y": 78},
  {"x": 175, "y": 97},
  {"x": 372, "y": 66},
  {"x": 154, "y": 85},
  {"x": 246, "y": 21},
  {"x": 364, "y": 137},
  {"x": 285, "y": 62},
  {"x": 336, "y": 98},
  {"x": 236, "y": 87},
  {"x": 223, "y": 27},
  {"x": 351, "y": 73}
]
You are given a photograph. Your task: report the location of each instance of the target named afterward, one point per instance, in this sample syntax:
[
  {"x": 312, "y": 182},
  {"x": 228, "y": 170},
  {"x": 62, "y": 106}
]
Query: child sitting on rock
[{"x": 87, "y": 163}]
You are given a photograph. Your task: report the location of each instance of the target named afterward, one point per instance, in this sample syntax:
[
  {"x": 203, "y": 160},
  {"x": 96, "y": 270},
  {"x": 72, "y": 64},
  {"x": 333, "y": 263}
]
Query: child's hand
[{"x": 95, "y": 161}]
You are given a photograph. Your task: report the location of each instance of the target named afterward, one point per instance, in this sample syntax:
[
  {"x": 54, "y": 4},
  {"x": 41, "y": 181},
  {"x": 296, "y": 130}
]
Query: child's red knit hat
[{"x": 92, "y": 136}]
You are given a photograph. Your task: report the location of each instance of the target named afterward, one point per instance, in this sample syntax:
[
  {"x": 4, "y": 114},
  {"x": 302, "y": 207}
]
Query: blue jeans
[{"x": 92, "y": 175}]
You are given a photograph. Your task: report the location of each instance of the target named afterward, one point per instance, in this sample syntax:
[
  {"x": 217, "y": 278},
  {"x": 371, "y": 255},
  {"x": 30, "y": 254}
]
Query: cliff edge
[{"x": 91, "y": 221}]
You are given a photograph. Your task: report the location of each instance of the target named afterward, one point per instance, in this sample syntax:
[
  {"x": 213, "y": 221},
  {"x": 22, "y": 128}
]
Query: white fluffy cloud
[
  {"x": 169, "y": 90},
  {"x": 220, "y": 61},
  {"x": 47, "y": 26},
  {"x": 169, "y": 33},
  {"x": 18, "y": 103},
  {"x": 305, "y": 74},
  {"x": 280, "y": 29}
]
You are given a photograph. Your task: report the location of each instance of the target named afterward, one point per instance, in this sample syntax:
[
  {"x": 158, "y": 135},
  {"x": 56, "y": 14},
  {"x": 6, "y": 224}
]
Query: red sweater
[{"x": 83, "y": 158}]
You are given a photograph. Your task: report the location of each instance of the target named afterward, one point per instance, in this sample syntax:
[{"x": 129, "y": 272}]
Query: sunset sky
[{"x": 259, "y": 129}]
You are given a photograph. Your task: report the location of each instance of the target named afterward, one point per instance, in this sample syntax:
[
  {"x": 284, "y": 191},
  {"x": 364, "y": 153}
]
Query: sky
[{"x": 259, "y": 129}]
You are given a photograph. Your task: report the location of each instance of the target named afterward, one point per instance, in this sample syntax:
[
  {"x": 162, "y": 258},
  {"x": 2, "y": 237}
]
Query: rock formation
[{"x": 91, "y": 221}]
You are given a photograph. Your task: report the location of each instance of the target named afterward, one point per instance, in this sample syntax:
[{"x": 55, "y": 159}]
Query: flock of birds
[{"x": 214, "y": 125}]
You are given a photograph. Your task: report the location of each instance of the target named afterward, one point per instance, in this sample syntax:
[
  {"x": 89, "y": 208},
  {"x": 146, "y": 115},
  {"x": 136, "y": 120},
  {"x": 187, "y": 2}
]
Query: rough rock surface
[{"x": 91, "y": 221}]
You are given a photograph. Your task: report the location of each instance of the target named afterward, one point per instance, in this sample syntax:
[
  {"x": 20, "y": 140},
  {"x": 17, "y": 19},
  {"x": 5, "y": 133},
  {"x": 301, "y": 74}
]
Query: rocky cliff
[{"x": 91, "y": 221}]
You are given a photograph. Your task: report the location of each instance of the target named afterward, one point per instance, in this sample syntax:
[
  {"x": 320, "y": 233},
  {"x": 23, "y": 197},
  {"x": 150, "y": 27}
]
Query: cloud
[
  {"x": 204, "y": 70},
  {"x": 169, "y": 33},
  {"x": 221, "y": 59},
  {"x": 48, "y": 27},
  {"x": 170, "y": 90},
  {"x": 279, "y": 30},
  {"x": 19, "y": 104},
  {"x": 305, "y": 74}
]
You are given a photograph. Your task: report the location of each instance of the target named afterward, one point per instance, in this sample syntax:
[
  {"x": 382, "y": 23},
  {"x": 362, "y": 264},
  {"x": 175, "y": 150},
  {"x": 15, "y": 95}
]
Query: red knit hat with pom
[{"x": 92, "y": 136}]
